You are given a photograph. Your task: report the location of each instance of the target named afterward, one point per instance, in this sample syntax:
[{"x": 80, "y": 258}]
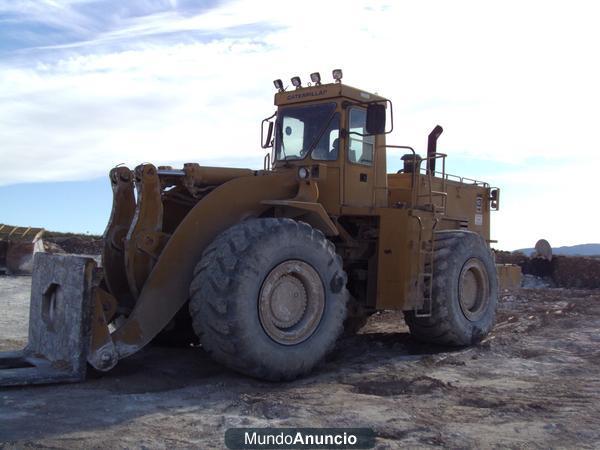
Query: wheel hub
[
  {"x": 288, "y": 301},
  {"x": 291, "y": 302},
  {"x": 473, "y": 289}
]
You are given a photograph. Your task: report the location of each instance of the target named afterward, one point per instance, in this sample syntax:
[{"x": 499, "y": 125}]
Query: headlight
[
  {"x": 303, "y": 173},
  {"x": 337, "y": 75},
  {"x": 296, "y": 81},
  {"x": 278, "y": 85},
  {"x": 315, "y": 78}
]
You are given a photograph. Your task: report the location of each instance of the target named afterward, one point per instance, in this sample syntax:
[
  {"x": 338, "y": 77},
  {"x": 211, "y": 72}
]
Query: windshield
[{"x": 302, "y": 128}]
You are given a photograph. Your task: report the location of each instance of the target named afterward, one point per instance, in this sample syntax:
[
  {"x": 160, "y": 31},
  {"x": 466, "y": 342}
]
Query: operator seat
[{"x": 335, "y": 148}]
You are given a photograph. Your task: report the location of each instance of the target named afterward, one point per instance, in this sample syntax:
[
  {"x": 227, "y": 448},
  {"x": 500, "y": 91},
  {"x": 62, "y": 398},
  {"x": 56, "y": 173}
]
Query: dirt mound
[
  {"x": 16, "y": 256},
  {"x": 19, "y": 257},
  {"x": 576, "y": 271},
  {"x": 78, "y": 244},
  {"x": 561, "y": 271},
  {"x": 503, "y": 257}
]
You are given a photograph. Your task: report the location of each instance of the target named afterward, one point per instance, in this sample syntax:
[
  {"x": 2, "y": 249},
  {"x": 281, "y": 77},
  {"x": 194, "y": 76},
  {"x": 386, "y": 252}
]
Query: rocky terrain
[{"x": 533, "y": 383}]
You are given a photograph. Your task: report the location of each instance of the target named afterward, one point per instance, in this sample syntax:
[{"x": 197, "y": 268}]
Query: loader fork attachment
[
  {"x": 113, "y": 252},
  {"x": 61, "y": 308},
  {"x": 145, "y": 239}
]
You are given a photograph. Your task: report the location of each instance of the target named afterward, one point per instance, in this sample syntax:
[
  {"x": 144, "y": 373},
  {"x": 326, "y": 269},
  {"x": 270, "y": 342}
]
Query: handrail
[
  {"x": 446, "y": 176},
  {"x": 460, "y": 179},
  {"x": 443, "y": 194},
  {"x": 421, "y": 169}
]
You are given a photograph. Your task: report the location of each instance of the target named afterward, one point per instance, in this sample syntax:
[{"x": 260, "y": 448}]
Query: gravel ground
[
  {"x": 14, "y": 311},
  {"x": 533, "y": 383}
]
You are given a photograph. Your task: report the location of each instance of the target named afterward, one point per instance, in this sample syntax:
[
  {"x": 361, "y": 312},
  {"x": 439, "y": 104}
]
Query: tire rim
[
  {"x": 473, "y": 289},
  {"x": 291, "y": 302}
]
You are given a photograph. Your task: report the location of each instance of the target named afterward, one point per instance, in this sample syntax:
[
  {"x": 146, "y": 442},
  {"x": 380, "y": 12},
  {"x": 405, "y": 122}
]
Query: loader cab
[{"x": 320, "y": 132}]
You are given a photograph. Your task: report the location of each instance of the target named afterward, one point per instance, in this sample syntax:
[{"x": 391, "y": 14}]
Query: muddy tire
[
  {"x": 268, "y": 298},
  {"x": 464, "y": 294}
]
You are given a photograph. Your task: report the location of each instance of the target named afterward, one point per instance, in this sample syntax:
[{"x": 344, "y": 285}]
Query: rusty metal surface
[
  {"x": 143, "y": 241},
  {"x": 166, "y": 289},
  {"x": 291, "y": 302},
  {"x": 59, "y": 323},
  {"x": 102, "y": 353},
  {"x": 113, "y": 254}
]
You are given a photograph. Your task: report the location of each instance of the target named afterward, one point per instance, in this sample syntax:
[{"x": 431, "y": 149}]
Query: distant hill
[{"x": 573, "y": 250}]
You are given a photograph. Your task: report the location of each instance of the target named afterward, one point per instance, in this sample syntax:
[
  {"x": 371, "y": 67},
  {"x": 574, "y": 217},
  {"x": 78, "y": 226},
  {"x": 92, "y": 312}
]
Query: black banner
[{"x": 301, "y": 438}]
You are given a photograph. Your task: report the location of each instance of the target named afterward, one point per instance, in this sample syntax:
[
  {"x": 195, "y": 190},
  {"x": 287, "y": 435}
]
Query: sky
[{"x": 89, "y": 84}]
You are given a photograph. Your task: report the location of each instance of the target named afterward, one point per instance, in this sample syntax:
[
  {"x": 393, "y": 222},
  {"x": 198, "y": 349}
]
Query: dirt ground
[{"x": 533, "y": 383}]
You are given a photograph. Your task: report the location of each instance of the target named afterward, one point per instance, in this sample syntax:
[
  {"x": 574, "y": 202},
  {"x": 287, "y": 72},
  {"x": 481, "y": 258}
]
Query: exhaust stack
[{"x": 432, "y": 148}]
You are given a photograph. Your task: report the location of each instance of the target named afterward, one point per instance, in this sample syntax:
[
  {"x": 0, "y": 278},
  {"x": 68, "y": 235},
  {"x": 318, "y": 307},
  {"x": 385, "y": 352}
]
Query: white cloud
[{"x": 510, "y": 82}]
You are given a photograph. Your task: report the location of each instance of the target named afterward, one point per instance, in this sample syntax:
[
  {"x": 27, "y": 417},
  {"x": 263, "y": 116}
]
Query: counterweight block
[{"x": 59, "y": 323}]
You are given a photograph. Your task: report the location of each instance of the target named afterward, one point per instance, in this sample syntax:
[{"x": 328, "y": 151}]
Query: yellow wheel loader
[{"x": 267, "y": 268}]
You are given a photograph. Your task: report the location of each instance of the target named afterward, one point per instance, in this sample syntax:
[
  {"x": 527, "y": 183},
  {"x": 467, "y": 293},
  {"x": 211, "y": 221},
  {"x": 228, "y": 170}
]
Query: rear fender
[{"x": 166, "y": 289}]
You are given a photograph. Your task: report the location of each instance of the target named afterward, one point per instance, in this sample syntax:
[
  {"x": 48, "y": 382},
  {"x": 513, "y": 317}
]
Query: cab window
[
  {"x": 300, "y": 129},
  {"x": 360, "y": 148},
  {"x": 293, "y": 130},
  {"x": 327, "y": 149}
]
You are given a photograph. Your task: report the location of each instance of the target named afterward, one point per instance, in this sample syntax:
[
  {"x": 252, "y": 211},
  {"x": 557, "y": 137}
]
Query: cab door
[{"x": 359, "y": 174}]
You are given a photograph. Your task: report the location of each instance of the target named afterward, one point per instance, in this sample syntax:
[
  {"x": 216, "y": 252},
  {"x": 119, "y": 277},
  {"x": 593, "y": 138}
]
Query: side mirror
[
  {"x": 375, "y": 119},
  {"x": 266, "y": 141},
  {"x": 495, "y": 199}
]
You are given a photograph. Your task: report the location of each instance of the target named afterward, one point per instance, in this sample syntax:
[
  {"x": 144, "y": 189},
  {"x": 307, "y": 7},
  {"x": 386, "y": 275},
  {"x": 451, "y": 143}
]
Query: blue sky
[
  {"x": 86, "y": 85},
  {"x": 77, "y": 206}
]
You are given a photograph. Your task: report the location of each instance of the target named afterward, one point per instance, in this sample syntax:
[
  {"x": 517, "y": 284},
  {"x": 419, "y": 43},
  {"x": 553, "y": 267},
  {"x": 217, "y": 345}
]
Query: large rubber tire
[
  {"x": 464, "y": 294},
  {"x": 227, "y": 294}
]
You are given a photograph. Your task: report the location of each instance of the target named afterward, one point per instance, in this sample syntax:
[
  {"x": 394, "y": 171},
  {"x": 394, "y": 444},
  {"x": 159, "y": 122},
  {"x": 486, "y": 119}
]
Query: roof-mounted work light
[
  {"x": 296, "y": 82},
  {"x": 278, "y": 85},
  {"x": 337, "y": 75},
  {"x": 315, "y": 78}
]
